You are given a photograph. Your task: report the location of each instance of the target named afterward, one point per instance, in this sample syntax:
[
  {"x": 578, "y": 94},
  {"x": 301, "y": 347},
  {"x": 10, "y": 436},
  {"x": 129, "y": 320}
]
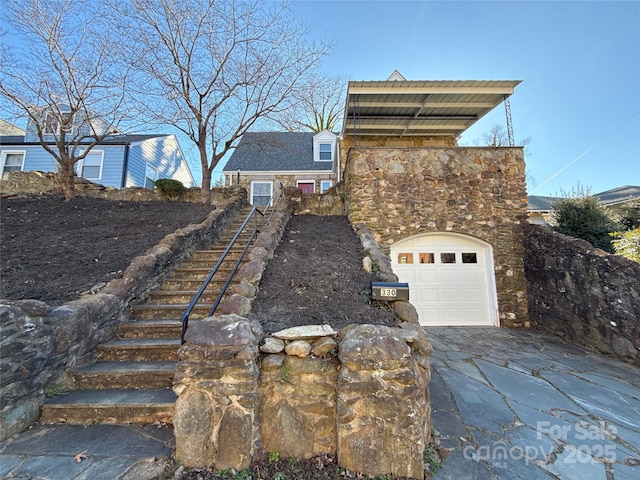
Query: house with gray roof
[
  {"x": 540, "y": 207},
  {"x": 306, "y": 160},
  {"x": 118, "y": 161}
]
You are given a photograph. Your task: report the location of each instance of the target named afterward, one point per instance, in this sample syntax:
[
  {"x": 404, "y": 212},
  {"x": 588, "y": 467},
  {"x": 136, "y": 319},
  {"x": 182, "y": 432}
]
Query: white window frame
[
  {"x": 323, "y": 182},
  {"x": 147, "y": 168},
  {"x": 3, "y": 159},
  {"x": 52, "y": 125},
  {"x": 81, "y": 164},
  {"x": 254, "y": 182},
  {"x": 298, "y": 182},
  {"x": 320, "y": 151},
  {"x": 324, "y": 138}
]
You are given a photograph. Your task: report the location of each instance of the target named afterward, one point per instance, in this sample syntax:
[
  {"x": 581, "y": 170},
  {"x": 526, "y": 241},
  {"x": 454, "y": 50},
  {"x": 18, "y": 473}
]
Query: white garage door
[{"x": 450, "y": 278}]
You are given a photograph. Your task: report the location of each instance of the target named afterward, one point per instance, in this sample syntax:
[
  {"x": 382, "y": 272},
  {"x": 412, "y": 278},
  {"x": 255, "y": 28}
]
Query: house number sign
[{"x": 389, "y": 291}]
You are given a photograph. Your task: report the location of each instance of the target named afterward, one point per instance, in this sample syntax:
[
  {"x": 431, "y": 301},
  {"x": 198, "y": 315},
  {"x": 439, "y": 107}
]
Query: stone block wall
[
  {"x": 369, "y": 405},
  {"x": 583, "y": 294},
  {"x": 35, "y": 182},
  {"x": 329, "y": 203},
  {"x": 39, "y": 342},
  {"x": 479, "y": 191}
]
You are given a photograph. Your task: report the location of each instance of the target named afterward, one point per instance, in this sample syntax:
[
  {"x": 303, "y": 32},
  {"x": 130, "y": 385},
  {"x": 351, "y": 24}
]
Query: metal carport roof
[{"x": 425, "y": 108}]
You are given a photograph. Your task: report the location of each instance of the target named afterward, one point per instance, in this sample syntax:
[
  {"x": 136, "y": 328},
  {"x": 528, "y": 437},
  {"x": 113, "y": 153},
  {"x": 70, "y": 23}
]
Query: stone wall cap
[{"x": 305, "y": 332}]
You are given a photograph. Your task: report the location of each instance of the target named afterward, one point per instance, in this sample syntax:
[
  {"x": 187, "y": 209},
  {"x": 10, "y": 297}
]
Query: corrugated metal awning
[{"x": 425, "y": 108}]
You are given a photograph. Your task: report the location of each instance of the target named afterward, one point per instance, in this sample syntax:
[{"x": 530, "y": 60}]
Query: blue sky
[{"x": 579, "y": 62}]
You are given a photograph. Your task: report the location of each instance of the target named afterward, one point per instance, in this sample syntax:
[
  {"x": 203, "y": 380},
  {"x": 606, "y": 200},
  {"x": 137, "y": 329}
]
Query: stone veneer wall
[
  {"x": 477, "y": 191},
  {"x": 39, "y": 342},
  {"x": 582, "y": 293}
]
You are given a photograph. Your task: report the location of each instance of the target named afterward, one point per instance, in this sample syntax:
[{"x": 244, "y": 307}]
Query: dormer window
[
  {"x": 53, "y": 125},
  {"x": 326, "y": 152},
  {"x": 324, "y": 146}
]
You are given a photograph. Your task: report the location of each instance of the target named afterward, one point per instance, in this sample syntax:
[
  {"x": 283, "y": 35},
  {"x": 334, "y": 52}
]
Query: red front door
[{"x": 307, "y": 187}]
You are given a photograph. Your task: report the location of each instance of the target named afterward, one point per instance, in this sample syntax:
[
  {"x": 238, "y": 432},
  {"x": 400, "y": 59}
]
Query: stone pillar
[
  {"x": 298, "y": 405},
  {"x": 215, "y": 418},
  {"x": 383, "y": 414}
]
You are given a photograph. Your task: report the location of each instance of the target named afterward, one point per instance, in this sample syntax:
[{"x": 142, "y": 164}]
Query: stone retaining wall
[
  {"x": 480, "y": 192},
  {"x": 39, "y": 342},
  {"x": 36, "y": 182},
  {"x": 369, "y": 404},
  {"x": 330, "y": 202},
  {"x": 582, "y": 293}
]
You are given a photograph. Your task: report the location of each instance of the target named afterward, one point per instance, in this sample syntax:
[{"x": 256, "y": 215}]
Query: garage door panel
[
  {"x": 472, "y": 276},
  {"x": 455, "y": 293},
  {"x": 425, "y": 295}
]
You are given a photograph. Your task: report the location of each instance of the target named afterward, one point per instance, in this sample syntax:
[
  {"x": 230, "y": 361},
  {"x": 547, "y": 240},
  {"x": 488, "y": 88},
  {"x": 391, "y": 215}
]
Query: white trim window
[
  {"x": 325, "y": 152},
  {"x": 90, "y": 167},
  {"x": 52, "y": 125},
  {"x": 150, "y": 176},
  {"x": 324, "y": 146},
  {"x": 325, "y": 185},
  {"x": 12, "y": 161},
  {"x": 261, "y": 193}
]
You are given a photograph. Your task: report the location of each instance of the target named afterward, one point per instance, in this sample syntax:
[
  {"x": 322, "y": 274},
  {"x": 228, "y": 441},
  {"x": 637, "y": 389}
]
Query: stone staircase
[{"x": 131, "y": 381}]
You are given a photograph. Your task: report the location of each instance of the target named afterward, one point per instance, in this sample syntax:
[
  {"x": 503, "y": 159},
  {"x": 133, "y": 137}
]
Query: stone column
[
  {"x": 383, "y": 414},
  {"x": 215, "y": 418}
]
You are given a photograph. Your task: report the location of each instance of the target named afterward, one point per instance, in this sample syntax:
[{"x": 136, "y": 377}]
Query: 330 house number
[{"x": 388, "y": 292}]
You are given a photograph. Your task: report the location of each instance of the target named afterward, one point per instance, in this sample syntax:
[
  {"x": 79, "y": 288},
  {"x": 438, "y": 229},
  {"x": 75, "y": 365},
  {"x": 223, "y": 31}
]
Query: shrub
[
  {"x": 584, "y": 218},
  {"x": 170, "y": 188},
  {"x": 627, "y": 244}
]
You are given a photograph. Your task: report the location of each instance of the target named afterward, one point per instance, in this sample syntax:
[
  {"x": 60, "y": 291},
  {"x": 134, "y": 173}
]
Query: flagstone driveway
[{"x": 515, "y": 404}]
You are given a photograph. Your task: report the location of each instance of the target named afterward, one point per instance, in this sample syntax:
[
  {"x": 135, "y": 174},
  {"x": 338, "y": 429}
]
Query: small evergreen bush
[
  {"x": 171, "y": 189},
  {"x": 584, "y": 218}
]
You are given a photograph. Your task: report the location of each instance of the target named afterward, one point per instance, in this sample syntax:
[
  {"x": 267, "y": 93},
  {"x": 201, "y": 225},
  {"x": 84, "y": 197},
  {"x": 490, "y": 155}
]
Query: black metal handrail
[{"x": 255, "y": 211}]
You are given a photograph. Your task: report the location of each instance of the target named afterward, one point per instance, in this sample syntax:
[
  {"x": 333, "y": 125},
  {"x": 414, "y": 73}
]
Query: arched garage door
[{"x": 450, "y": 277}]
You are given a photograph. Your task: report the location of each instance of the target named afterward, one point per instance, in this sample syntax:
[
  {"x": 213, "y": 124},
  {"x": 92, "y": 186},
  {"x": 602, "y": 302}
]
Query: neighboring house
[
  {"x": 539, "y": 207},
  {"x": 7, "y": 128},
  {"x": 306, "y": 160},
  {"x": 118, "y": 161}
]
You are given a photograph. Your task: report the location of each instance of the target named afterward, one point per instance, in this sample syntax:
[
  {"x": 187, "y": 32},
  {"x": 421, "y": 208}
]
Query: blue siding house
[{"x": 118, "y": 161}]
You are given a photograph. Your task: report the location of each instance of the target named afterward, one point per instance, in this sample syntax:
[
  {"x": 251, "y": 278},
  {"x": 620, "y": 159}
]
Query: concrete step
[
  {"x": 208, "y": 261},
  {"x": 139, "y": 349},
  {"x": 150, "y": 329},
  {"x": 211, "y": 255},
  {"x": 193, "y": 284},
  {"x": 181, "y": 296},
  {"x": 86, "y": 407},
  {"x": 124, "y": 375},
  {"x": 168, "y": 311},
  {"x": 197, "y": 274}
]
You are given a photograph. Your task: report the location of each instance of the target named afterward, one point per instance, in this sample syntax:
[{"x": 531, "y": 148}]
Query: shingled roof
[{"x": 275, "y": 151}]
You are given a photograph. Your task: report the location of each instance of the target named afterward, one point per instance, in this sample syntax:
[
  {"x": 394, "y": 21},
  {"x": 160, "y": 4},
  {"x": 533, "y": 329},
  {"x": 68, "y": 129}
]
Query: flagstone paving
[{"x": 517, "y": 404}]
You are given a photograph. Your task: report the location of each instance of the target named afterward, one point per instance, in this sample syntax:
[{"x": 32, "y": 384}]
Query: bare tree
[
  {"x": 214, "y": 68},
  {"x": 64, "y": 74},
  {"x": 498, "y": 137},
  {"x": 320, "y": 106}
]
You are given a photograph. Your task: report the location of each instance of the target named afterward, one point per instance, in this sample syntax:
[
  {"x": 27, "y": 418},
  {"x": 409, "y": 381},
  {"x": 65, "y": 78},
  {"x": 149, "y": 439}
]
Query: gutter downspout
[{"x": 125, "y": 166}]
